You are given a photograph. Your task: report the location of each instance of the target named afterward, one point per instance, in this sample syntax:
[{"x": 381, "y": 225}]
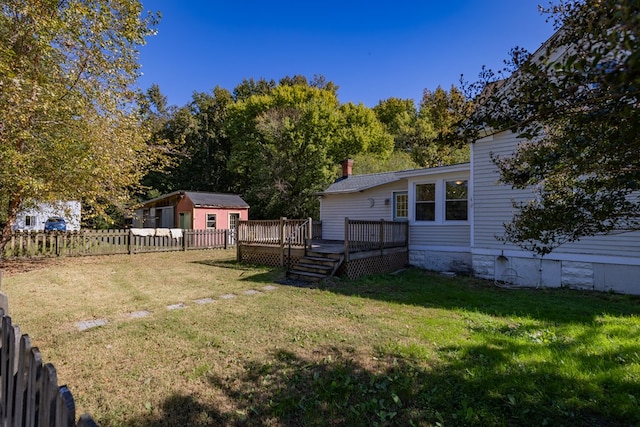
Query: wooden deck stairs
[{"x": 316, "y": 266}]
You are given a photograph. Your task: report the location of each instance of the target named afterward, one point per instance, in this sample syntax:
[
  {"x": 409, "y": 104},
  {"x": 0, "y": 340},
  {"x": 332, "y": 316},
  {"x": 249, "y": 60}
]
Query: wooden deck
[
  {"x": 360, "y": 261},
  {"x": 369, "y": 246}
]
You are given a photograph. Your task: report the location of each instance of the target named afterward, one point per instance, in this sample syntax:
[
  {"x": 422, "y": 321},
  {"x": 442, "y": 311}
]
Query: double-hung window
[
  {"x": 211, "y": 221},
  {"x": 441, "y": 201},
  {"x": 456, "y": 200},
  {"x": 426, "y": 202}
]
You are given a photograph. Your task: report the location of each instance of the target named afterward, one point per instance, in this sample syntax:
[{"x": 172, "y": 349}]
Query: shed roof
[
  {"x": 216, "y": 200},
  {"x": 201, "y": 199}
]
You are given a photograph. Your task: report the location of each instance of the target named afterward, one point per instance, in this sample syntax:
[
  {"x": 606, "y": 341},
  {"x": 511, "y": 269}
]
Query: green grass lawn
[{"x": 415, "y": 348}]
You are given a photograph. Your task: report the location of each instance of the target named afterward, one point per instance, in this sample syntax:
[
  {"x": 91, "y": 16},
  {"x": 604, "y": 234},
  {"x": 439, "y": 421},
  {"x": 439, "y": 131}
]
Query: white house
[
  {"x": 456, "y": 214},
  {"x": 33, "y": 217},
  {"x": 602, "y": 262}
]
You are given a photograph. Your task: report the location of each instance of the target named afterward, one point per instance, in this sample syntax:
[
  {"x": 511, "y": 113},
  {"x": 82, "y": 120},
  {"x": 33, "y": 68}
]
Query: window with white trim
[
  {"x": 30, "y": 220},
  {"x": 442, "y": 201},
  {"x": 456, "y": 204},
  {"x": 426, "y": 202},
  {"x": 211, "y": 221}
]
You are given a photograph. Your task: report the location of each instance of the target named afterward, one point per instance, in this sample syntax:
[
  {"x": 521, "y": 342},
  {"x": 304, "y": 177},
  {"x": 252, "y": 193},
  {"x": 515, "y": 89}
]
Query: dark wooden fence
[
  {"x": 105, "y": 242},
  {"x": 29, "y": 391}
]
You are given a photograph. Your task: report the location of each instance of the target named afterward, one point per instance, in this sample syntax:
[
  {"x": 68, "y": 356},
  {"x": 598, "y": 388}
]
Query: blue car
[{"x": 55, "y": 223}]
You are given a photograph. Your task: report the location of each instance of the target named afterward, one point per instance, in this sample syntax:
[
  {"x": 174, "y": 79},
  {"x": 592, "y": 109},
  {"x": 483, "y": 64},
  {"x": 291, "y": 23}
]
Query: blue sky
[{"x": 371, "y": 50}]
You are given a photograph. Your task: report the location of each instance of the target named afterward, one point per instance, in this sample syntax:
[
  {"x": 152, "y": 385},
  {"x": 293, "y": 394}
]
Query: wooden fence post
[
  {"x": 346, "y": 239},
  {"x": 4, "y": 299},
  {"x": 381, "y": 237}
]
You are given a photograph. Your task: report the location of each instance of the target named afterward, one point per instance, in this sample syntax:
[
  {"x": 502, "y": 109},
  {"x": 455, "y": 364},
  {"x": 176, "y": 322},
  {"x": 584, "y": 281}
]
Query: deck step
[
  {"x": 314, "y": 268},
  {"x": 324, "y": 255},
  {"x": 306, "y": 276}
]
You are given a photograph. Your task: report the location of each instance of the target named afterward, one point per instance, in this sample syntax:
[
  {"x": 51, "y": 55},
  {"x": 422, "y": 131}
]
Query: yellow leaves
[{"x": 65, "y": 98}]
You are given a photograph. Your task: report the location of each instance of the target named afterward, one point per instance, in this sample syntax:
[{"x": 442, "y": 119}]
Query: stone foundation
[
  {"x": 553, "y": 273},
  {"x": 441, "y": 261}
]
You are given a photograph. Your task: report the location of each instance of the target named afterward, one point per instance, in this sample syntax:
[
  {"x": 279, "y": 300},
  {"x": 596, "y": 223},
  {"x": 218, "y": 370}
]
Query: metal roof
[
  {"x": 201, "y": 199},
  {"x": 217, "y": 200}
]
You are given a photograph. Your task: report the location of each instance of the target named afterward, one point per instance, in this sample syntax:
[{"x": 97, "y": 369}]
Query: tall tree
[
  {"x": 67, "y": 126},
  {"x": 280, "y": 146},
  {"x": 575, "y": 103},
  {"x": 359, "y": 131},
  {"x": 365, "y": 163},
  {"x": 437, "y": 139},
  {"x": 250, "y": 87},
  {"x": 399, "y": 118}
]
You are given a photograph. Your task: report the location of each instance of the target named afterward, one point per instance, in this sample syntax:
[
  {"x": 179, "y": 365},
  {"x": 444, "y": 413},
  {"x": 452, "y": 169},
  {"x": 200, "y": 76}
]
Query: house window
[
  {"x": 211, "y": 221},
  {"x": 30, "y": 221},
  {"x": 426, "y": 202},
  {"x": 400, "y": 205},
  {"x": 456, "y": 200}
]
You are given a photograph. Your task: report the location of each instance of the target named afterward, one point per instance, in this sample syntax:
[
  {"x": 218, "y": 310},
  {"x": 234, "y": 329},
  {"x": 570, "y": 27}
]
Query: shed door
[
  {"x": 185, "y": 220},
  {"x": 234, "y": 219}
]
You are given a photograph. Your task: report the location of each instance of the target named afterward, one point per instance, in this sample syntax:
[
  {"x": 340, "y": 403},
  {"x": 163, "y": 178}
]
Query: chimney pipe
[{"x": 347, "y": 167}]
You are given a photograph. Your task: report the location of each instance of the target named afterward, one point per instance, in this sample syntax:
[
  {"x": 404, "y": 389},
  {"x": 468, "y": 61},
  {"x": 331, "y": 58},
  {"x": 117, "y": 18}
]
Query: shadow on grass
[
  {"x": 250, "y": 272},
  {"x": 427, "y": 289},
  {"x": 333, "y": 389}
]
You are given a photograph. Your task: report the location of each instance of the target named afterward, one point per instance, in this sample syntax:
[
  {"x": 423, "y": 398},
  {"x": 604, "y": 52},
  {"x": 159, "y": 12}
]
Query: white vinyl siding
[
  {"x": 439, "y": 236},
  {"x": 493, "y": 207},
  {"x": 373, "y": 204}
]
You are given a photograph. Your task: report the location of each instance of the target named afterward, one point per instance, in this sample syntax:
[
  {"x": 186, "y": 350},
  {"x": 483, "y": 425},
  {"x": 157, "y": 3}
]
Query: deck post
[
  {"x": 346, "y": 239},
  {"x": 406, "y": 234},
  {"x": 283, "y": 221},
  {"x": 310, "y": 232},
  {"x": 381, "y": 237}
]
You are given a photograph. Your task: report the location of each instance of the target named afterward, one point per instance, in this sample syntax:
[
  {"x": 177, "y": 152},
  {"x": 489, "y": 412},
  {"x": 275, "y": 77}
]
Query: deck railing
[
  {"x": 282, "y": 233},
  {"x": 277, "y": 232},
  {"x": 366, "y": 235},
  {"x": 106, "y": 242}
]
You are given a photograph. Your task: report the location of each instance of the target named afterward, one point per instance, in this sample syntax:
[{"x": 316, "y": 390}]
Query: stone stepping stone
[
  {"x": 251, "y": 292},
  {"x": 227, "y": 296},
  {"x": 204, "y": 301},
  {"x": 175, "y": 306},
  {"x": 139, "y": 314},
  {"x": 270, "y": 288},
  {"x": 88, "y": 324}
]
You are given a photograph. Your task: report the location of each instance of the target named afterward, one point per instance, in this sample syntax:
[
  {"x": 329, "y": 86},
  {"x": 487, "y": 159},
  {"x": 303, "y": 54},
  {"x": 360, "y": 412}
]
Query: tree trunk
[{"x": 12, "y": 213}]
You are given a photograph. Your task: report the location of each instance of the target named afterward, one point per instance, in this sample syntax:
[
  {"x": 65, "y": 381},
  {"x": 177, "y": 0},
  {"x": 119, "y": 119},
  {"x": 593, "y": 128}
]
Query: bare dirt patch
[{"x": 13, "y": 266}]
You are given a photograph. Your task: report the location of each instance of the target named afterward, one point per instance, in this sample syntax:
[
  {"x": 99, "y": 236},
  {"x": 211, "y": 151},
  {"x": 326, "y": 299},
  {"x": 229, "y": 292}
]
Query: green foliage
[
  {"x": 399, "y": 117},
  {"x": 280, "y": 149},
  {"x": 68, "y": 129},
  {"x": 359, "y": 131},
  {"x": 437, "y": 140},
  {"x": 365, "y": 163},
  {"x": 575, "y": 102},
  {"x": 431, "y": 134}
]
